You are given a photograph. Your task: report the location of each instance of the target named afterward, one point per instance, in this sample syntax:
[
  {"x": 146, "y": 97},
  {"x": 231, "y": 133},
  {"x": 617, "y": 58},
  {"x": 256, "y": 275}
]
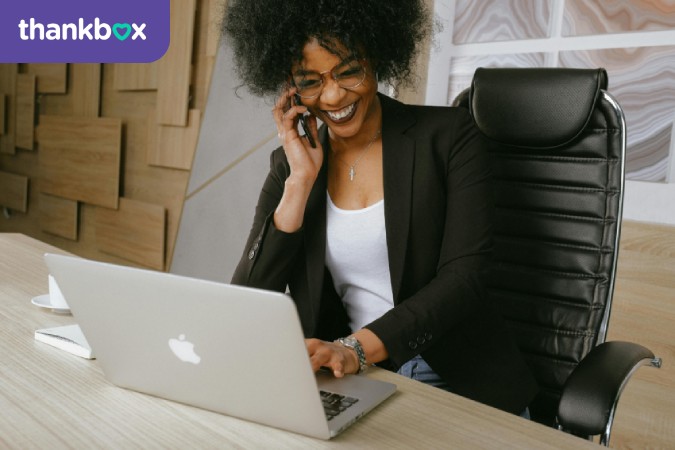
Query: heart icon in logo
[{"x": 121, "y": 26}]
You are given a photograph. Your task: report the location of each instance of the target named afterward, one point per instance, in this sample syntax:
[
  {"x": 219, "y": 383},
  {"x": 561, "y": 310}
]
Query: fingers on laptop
[{"x": 339, "y": 359}]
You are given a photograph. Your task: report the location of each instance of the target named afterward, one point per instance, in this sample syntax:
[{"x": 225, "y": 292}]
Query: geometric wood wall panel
[
  {"x": 79, "y": 158},
  {"x": 136, "y": 231},
  {"x": 25, "y": 111},
  {"x": 123, "y": 91},
  {"x": 58, "y": 216},
  {"x": 135, "y": 77},
  {"x": 85, "y": 89},
  {"x": 175, "y": 67},
  {"x": 173, "y": 147},
  {"x": 3, "y": 99},
  {"x": 8, "y": 74},
  {"x": 84, "y": 93},
  {"x": 14, "y": 191},
  {"x": 213, "y": 32},
  {"x": 51, "y": 78}
]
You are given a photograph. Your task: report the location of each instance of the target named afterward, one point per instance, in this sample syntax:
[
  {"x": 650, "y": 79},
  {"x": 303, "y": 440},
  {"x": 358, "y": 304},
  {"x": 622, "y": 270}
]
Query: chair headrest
[{"x": 542, "y": 107}]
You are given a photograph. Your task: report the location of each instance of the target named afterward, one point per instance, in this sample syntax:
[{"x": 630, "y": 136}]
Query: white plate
[{"x": 43, "y": 301}]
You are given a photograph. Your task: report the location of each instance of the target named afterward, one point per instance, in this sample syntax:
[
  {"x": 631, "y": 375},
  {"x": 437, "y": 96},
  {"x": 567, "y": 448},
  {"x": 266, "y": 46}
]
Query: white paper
[{"x": 69, "y": 338}]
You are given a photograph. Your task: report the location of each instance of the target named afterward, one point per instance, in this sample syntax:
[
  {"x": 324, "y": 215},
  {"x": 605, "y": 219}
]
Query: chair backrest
[{"x": 557, "y": 142}]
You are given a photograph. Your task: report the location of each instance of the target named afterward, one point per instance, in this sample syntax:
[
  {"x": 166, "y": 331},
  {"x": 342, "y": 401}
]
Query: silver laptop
[{"x": 235, "y": 350}]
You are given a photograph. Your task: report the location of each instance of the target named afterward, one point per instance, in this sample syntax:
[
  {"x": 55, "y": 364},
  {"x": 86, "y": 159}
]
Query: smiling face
[{"x": 348, "y": 112}]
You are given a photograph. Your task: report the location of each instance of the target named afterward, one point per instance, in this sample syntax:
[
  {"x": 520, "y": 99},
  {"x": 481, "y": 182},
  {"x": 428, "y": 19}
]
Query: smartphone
[{"x": 303, "y": 123}]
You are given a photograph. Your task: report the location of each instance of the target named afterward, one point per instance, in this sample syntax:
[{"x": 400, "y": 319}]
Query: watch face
[
  {"x": 354, "y": 344},
  {"x": 350, "y": 342}
]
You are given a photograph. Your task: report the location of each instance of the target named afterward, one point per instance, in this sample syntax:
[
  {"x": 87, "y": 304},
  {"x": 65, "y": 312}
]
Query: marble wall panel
[
  {"x": 500, "y": 20},
  {"x": 462, "y": 68},
  {"x": 647, "y": 161},
  {"x": 585, "y": 17},
  {"x": 643, "y": 81}
]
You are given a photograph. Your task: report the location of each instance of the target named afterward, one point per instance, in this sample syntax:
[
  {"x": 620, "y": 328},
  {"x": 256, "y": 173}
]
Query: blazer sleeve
[
  {"x": 269, "y": 253},
  {"x": 456, "y": 292}
]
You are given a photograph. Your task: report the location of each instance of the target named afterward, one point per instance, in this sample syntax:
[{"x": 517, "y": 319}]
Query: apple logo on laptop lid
[{"x": 184, "y": 350}]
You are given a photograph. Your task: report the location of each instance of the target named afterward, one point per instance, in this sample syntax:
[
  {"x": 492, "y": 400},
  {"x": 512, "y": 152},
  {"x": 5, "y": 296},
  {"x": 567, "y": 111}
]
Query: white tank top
[{"x": 358, "y": 260}]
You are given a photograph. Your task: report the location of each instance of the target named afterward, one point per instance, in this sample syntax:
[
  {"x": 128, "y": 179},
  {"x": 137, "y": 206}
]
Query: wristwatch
[{"x": 354, "y": 344}]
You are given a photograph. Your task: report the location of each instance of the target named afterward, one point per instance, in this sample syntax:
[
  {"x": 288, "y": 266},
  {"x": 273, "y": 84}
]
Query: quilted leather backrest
[
  {"x": 557, "y": 146},
  {"x": 547, "y": 107}
]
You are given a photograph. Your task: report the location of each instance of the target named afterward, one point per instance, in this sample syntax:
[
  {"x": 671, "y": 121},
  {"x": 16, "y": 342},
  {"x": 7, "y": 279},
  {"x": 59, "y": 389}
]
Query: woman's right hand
[{"x": 304, "y": 161}]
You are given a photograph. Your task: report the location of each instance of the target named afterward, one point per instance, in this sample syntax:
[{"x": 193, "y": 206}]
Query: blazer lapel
[
  {"x": 315, "y": 230},
  {"x": 398, "y": 157}
]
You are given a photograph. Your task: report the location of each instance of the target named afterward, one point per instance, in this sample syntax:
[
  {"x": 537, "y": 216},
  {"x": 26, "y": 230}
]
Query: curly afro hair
[{"x": 268, "y": 36}]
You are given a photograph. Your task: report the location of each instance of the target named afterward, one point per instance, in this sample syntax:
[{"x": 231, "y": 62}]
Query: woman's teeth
[{"x": 341, "y": 114}]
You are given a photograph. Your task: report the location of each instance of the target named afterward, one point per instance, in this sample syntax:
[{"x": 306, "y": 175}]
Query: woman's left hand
[{"x": 338, "y": 358}]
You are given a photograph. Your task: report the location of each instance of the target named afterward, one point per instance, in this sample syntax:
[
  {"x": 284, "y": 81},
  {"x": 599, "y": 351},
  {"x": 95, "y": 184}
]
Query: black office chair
[{"x": 557, "y": 141}]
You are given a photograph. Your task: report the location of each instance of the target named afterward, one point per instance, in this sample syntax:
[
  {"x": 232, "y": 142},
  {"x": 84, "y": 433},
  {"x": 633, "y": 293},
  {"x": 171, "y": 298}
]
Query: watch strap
[{"x": 354, "y": 344}]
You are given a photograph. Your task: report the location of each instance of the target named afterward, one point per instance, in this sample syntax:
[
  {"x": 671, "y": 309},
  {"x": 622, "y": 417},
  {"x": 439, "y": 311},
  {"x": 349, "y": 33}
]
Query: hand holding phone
[{"x": 303, "y": 123}]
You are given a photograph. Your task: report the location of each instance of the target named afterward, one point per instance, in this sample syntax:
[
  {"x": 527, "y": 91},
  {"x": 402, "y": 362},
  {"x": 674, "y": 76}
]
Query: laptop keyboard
[{"x": 334, "y": 404}]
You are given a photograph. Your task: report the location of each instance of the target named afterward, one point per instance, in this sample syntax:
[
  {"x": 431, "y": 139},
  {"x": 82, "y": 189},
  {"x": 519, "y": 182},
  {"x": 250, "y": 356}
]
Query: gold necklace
[{"x": 352, "y": 167}]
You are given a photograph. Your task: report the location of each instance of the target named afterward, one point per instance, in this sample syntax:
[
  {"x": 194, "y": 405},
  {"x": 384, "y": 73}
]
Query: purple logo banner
[{"x": 84, "y": 31}]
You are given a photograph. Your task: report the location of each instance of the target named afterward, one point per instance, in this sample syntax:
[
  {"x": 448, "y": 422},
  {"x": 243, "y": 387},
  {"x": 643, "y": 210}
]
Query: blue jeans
[{"x": 418, "y": 369}]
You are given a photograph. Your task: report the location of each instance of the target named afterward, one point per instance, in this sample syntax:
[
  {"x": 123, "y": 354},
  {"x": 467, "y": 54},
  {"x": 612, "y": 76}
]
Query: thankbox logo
[
  {"x": 98, "y": 30},
  {"x": 84, "y": 31}
]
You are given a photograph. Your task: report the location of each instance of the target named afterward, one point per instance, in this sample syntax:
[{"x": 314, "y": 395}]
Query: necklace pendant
[{"x": 351, "y": 173}]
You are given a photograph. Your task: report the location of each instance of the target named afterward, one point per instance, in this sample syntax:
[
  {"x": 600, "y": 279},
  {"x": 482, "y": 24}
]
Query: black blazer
[{"x": 438, "y": 214}]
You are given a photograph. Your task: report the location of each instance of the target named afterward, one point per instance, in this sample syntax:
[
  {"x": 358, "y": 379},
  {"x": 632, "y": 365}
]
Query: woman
[{"x": 378, "y": 223}]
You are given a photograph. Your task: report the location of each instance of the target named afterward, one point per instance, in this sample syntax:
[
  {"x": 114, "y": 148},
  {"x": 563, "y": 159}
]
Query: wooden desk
[{"x": 51, "y": 399}]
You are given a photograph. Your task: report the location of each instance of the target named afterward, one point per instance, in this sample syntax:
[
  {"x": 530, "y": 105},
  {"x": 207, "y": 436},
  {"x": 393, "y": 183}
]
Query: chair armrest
[{"x": 592, "y": 391}]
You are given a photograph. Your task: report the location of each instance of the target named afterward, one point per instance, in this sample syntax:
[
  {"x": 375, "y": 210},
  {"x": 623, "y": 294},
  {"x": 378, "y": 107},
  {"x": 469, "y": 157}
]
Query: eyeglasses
[{"x": 347, "y": 75}]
